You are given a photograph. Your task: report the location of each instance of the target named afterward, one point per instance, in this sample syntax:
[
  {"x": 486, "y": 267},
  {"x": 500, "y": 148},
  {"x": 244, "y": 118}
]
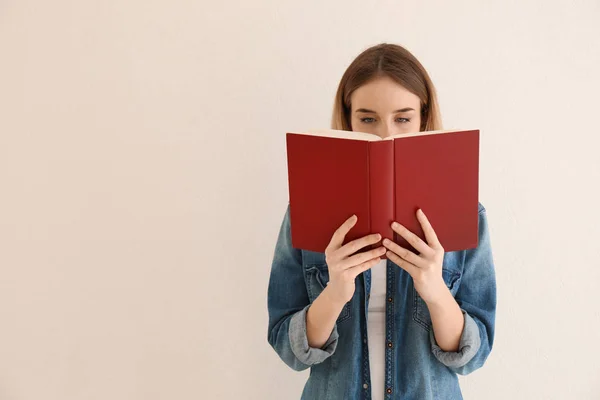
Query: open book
[{"x": 333, "y": 174}]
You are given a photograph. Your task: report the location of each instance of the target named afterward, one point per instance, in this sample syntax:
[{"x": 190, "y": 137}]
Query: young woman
[{"x": 401, "y": 328}]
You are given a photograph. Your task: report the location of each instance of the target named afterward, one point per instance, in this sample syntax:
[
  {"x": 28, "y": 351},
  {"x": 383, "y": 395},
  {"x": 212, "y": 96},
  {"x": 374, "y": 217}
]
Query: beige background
[{"x": 143, "y": 182}]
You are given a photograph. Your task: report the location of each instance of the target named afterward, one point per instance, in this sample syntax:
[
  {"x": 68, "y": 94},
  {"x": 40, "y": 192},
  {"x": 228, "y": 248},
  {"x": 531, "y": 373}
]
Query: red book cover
[{"x": 333, "y": 174}]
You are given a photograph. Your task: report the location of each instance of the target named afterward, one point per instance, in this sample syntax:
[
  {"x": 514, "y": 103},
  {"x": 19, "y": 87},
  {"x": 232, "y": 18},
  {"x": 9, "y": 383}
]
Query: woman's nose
[{"x": 385, "y": 132}]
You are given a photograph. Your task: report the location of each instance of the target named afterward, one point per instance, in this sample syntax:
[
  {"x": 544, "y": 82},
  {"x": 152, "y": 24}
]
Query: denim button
[{"x": 365, "y": 386}]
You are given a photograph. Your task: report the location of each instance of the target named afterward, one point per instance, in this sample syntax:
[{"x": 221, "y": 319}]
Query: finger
[
  {"x": 340, "y": 233},
  {"x": 405, "y": 254},
  {"x": 405, "y": 265},
  {"x": 411, "y": 238},
  {"x": 362, "y": 257},
  {"x": 360, "y": 268},
  {"x": 430, "y": 234},
  {"x": 352, "y": 247}
]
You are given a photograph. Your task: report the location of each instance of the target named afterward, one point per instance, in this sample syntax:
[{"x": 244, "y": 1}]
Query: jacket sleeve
[
  {"x": 476, "y": 297},
  {"x": 288, "y": 303}
]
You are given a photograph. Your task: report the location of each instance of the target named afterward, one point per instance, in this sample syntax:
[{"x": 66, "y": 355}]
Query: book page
[
  {"x": 334, "y": 133},
  {"x": 423, "y": 133}
]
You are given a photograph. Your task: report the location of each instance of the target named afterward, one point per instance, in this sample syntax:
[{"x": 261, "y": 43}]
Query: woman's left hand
[{"x": 425, "y": 268}]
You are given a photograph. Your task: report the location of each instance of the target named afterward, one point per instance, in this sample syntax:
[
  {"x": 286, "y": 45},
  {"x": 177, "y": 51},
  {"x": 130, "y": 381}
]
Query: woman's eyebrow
[{"x": 364, "y": 110}]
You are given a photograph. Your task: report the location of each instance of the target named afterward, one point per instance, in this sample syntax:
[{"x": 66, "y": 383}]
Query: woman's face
[{"x": 384, "y": 108}]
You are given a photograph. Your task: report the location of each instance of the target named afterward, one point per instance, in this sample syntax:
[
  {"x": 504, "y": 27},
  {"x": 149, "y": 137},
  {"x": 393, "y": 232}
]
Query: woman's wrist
[{"x": 329, "y": 295}]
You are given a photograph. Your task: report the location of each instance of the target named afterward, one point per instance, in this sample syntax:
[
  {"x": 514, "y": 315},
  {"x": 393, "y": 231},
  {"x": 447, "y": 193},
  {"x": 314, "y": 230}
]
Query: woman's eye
[{"x": 369, "y": 120}]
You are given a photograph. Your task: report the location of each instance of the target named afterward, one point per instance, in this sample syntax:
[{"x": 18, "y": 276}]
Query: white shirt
[{"x": 376, "y": 329}]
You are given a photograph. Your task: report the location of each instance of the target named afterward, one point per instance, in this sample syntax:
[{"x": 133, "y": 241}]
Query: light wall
[{"x": 143, "y": 182}]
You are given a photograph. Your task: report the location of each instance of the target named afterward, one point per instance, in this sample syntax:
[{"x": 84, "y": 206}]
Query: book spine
[{"x": 381, "y": 189}]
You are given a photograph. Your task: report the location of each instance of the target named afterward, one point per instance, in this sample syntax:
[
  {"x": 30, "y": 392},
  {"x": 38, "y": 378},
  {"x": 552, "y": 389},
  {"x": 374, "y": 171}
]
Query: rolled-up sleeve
[
  {"x": 299, "y": 341},
  {"x": 476, "y": 297},
  {"x": 468, "y": 346},
  {"x": 288, "y": 304}
]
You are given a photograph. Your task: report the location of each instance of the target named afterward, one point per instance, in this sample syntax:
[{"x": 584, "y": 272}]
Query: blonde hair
[{"x": 399, "y": 64}]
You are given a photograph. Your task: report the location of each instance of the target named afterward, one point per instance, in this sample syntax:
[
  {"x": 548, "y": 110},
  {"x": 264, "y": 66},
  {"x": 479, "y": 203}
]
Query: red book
[{"x": 333, "y": 174}]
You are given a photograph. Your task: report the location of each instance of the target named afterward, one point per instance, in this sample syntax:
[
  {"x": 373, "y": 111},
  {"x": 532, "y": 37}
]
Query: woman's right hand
[{"x": 344, "y": 268}]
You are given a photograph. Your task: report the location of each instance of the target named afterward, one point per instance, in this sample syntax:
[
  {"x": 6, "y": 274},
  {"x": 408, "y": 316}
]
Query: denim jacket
[{"x": 416, "y": 368}]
